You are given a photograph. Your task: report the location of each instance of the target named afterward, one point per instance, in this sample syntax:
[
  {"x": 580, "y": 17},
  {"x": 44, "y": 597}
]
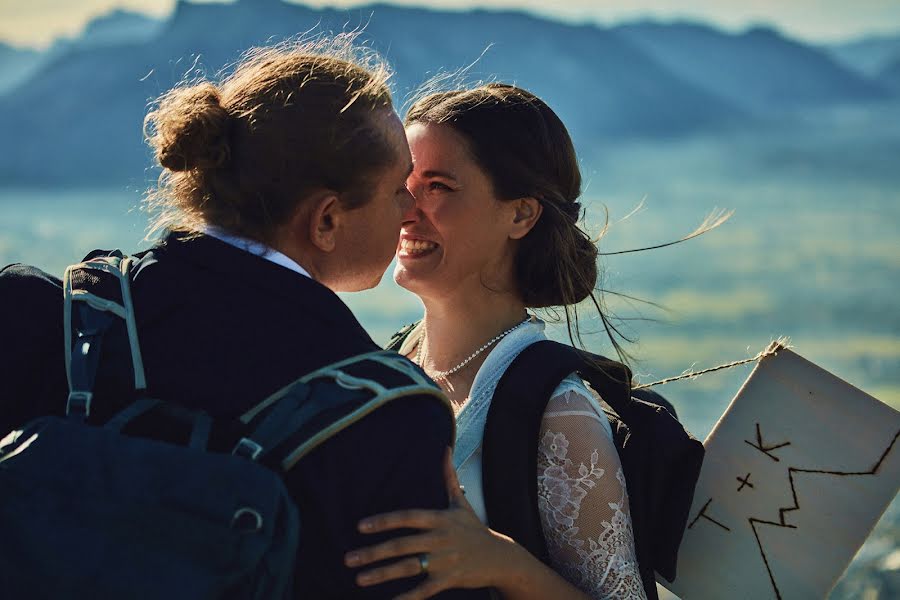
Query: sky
[{"x": 36, "y": 23}]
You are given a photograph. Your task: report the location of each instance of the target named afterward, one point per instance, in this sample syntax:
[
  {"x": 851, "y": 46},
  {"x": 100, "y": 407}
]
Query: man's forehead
[{"x": 395, "y": 135}]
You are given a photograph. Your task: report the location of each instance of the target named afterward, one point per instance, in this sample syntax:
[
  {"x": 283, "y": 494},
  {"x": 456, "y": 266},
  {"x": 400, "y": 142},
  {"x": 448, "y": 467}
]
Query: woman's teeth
[{"x": 416, "y": 246}]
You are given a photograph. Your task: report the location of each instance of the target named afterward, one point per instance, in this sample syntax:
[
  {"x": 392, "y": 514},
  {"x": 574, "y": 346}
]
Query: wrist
[{"x": 518, "y": 568}]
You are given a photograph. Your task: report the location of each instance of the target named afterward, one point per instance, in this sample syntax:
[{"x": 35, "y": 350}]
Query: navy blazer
[{"x": 220, "y": 329}]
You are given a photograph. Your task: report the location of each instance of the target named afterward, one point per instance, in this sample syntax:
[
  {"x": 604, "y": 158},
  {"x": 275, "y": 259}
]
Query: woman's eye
[{"x": 437, "y": 186}]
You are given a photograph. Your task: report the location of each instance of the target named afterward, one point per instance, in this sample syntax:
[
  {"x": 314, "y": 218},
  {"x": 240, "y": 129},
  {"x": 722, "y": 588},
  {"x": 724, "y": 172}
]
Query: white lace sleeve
[{"x": 583, "y": 500}]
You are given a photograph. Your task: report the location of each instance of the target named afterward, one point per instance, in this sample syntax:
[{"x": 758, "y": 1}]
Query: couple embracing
[{"x": 293, "y": 179}]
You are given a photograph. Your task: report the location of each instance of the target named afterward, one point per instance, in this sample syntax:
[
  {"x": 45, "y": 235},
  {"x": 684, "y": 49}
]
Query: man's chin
[{"x": 360, "y": 284}]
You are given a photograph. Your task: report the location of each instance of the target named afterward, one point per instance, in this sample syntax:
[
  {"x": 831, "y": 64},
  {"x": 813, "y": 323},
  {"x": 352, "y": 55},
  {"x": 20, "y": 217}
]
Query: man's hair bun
[{"x": 189, "y": 129}]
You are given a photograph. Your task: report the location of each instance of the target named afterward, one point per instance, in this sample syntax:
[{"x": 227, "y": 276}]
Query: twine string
[{"x": 772, "y": 349}]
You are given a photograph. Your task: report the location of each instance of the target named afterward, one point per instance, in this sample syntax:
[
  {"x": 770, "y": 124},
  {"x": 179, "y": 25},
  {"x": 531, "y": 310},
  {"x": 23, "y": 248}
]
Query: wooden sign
[{"x": 797, "y": 472}]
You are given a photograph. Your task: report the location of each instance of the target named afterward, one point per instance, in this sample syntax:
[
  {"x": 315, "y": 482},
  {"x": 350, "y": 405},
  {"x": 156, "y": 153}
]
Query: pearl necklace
[{"x": 419, "y": 359}]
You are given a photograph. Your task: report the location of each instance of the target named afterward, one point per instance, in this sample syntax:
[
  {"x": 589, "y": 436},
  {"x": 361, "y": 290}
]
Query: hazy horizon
[{"x": 39, "y": 23}]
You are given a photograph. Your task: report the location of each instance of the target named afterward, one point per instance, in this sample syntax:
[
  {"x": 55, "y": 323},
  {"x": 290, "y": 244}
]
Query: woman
[{"x": 493, "y": 233}]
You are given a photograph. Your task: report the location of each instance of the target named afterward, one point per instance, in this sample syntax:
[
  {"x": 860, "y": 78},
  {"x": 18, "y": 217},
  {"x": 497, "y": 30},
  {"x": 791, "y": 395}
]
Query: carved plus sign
[{"x": 745, "y": 480}]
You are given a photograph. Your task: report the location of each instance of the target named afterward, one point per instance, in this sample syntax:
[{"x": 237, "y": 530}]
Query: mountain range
[
  {"x": 757, "y": 70},
  {"x": 16, "y": 65},
  {"x": 73, "y": 114},
  {"x": 869, "y": 55}
]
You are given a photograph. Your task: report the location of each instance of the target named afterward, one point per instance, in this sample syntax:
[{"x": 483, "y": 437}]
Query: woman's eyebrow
[{"x": 443, "y": 174}]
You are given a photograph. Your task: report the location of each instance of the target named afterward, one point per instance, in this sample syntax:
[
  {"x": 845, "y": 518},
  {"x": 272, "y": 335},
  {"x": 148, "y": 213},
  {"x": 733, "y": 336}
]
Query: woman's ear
[
  {"x": 527, "y": 212},
  {"x": 325, "y": 220}
]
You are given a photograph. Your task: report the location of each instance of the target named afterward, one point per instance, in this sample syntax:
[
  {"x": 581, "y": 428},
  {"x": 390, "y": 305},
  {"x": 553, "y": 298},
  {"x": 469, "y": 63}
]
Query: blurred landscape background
[{"x": 800, "y": 136}]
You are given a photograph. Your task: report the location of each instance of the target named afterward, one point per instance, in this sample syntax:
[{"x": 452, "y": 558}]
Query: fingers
[
  {"x": 402, "y": 569},
  {"x": 414, "y": 544},
  {"x": 414, "y": 519},
  {"x": 441, "y": 573}
]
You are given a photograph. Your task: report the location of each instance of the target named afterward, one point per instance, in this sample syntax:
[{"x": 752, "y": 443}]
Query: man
[{"x": 282, "y": 184}]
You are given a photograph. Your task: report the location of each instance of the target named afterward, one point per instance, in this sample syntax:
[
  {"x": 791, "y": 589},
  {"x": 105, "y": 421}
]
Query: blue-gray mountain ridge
[
  {"x": 78, "y": 117},
  {"x": 869, "y": 55}
]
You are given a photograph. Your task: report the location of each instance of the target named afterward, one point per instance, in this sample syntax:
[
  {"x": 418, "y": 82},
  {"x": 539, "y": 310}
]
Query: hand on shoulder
[{"x": 454, "y": 548}]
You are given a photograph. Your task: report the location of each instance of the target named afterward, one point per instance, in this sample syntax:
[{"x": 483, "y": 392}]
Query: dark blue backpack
[
  {"x": 87, "y": 512},
  {"x": 660, "y": 459}
]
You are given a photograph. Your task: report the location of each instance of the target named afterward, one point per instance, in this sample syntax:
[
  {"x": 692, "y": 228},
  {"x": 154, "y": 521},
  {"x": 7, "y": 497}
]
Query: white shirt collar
[{"x": 254, "y": 247}]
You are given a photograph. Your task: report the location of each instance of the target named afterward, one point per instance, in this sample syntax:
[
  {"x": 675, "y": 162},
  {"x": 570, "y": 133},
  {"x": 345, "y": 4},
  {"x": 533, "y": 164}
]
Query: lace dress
[{"x": 583, "y": 501}]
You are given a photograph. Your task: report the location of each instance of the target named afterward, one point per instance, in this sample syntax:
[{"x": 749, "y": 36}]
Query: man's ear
[
  {"x": 527, "y": 212},
  {"x": 324, "y": 220}
]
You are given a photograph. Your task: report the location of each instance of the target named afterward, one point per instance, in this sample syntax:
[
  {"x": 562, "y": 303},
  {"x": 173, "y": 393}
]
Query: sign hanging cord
[{"x": 772, "y": 349}]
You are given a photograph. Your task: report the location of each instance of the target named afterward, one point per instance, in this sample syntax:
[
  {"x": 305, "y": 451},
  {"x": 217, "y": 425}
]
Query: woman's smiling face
[{"x": 457, "y": 234}]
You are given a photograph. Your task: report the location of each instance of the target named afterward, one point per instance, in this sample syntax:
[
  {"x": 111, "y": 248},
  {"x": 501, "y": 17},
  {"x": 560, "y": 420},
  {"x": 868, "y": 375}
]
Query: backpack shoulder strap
[
  {"x": 303, "y": 415},
  {"x": 396, "y": 341},
  {"x": 96, "y": 296},
  {"x": 510, "y": 448},
  {"x": 512, "y": 429},
  {"x": 95, "y": 293}
]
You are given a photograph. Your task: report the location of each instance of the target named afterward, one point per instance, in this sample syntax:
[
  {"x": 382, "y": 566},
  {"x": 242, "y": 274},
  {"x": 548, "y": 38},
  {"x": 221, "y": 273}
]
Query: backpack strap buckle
[
  {"x": 247, "y": 448},
  {"x": 79, "y": 403}
]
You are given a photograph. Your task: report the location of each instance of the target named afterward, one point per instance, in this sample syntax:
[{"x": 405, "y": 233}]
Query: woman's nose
[{"x": 410, "y": 206}]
